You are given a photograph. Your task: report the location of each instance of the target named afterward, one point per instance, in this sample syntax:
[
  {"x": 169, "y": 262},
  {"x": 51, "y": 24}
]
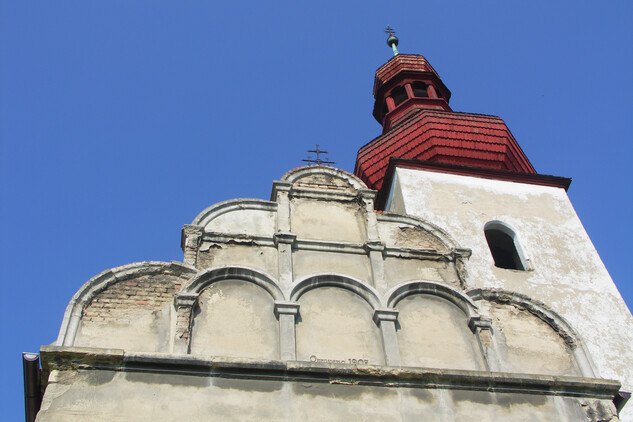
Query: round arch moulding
[
  {"x": 548, "y": 316},
  {"x": 438, "y": 232},
  {"x": 300, "y": 172},
  {"x": 103, "y": 280},
  {"x": 336, "y": 280},
  {"x": 229, "y": 205},
  {"x": 432, "y": 288},
  {"x": 214, "y": 275}
]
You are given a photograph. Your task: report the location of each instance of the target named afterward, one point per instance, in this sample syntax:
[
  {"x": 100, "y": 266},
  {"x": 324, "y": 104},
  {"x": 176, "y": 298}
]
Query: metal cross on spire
[
  {"x": 392, "y": 40},
  {"x": 318, "y": 161}
]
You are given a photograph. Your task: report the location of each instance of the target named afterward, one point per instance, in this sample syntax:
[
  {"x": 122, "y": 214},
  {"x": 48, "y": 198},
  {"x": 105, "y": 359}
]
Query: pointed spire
[{"x": 392, "y": 41}]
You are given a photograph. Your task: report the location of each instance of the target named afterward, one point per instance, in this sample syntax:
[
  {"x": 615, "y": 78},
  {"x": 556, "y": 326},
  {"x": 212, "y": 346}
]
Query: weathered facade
[{"x": 316, "y": 306}]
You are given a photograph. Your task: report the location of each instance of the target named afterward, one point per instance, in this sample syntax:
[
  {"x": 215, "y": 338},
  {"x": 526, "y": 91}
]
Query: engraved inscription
[{"x": 313, "y": 358}]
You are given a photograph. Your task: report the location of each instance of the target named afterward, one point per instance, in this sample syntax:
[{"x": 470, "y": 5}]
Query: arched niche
[
  {"x": 235, "y": 318},
  {"x": 530, "y": 337},
  {"x": 212, "y": 275},
  {"x": 234, "y": 315},
  {"x": 233, "y": 211},
  {"x": 127, "y": 307},
  {"x": 433, "y": 327},
  {"x": 405, "y": 231},
  {"x": 335, "y": 321}
]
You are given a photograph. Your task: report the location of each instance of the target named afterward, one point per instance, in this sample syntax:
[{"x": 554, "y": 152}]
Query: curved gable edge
[
  {"x": 296, "y": 174},
  {"x": 216, "y": 210},
  {"x": 90, "y": 289},
  {"x": 436, "y": 231},
  {"x": 548, "y": 316}
]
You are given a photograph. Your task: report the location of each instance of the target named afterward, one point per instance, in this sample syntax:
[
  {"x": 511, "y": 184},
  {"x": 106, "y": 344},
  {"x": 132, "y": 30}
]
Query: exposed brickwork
[
  {"x": 191, "y": 242},
  {"x": 121, "y": 301},
  {"x": 206, "y": 255},
  {"x": 183, "y": 322}
]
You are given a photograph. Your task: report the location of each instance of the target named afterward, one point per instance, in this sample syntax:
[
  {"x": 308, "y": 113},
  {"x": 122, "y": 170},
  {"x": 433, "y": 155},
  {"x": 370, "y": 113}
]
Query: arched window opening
[
  {"x": 399, "y": 94},
  {"x": 503, "y": 247},
  {"x": 420, "y": 90}
]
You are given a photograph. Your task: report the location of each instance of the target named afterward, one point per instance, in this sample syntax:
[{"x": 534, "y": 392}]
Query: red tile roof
[
  {"x": 401, "y": 63},
  {"x": 445, "y": 137}
]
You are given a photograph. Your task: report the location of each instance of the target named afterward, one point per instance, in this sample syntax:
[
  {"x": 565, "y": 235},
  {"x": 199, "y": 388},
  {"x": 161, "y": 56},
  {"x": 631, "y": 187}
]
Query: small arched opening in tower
[
  {"x": 399, "y": 94},
  {"x": 420, "y": 89},
  {"x": 503, "y": 246}
]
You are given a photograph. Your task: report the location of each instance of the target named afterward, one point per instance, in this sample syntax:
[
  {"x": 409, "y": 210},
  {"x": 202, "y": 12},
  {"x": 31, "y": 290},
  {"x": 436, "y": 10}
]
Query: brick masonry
[{"x": 121, "y": 301}]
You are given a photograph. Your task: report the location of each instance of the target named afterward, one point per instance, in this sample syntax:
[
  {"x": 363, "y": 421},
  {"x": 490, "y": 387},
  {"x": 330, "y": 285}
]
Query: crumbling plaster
[
  {"x": 567, "y": 274},
  {"x": 316, "y": 275},
  {"x": 381, "y": 258},
  {"x": 110, "y": 384}
]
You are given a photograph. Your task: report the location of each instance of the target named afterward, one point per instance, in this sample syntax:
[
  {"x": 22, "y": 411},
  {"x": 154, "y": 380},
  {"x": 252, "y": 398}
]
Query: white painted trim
[{"x": 391, "y": 190}]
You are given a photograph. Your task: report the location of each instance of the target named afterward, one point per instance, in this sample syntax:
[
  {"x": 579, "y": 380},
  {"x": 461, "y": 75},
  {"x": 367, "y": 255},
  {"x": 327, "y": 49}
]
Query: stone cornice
[
  {"x": 328, "y": 246},
  {"x": 74, "y": 358}
]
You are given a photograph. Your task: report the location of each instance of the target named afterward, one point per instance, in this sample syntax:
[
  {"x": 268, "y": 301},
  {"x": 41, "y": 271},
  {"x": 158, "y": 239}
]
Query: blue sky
[{"x": 121, "y": 120}]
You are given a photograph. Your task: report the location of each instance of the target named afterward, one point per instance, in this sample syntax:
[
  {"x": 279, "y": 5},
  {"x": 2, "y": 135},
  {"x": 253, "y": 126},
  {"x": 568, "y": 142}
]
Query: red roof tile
[{"x": 444, "y": 137}]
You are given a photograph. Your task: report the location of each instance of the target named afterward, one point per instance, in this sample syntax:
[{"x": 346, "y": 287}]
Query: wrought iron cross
[
  {"x": 318, "y": 161},
  {"x": 392, "y": 40}
]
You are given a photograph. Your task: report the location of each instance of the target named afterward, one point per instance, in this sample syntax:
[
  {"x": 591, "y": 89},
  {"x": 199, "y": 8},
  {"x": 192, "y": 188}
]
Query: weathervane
[
  {"x": 318, "y": 161},
  {"x": 392, "y": 40}
]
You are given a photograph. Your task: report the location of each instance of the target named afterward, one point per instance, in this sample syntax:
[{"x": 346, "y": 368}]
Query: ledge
[
  {"x": 76, "y": 358},
  {"x": 332, "y": 246}
]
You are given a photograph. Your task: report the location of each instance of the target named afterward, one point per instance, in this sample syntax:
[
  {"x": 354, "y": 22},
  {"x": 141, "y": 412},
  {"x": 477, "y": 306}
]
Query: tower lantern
[
  {"x": 407, "y": 82},
  {"x": 412, "y": 105}
]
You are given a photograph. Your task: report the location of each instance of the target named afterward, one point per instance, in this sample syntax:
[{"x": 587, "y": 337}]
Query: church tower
[
  {"x": 466, "y": 173},
  {"x": 445, "y": 280}
]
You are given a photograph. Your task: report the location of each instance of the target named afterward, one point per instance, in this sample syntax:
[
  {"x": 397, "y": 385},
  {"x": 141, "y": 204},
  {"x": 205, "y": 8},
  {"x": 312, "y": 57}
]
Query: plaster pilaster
[
  {"x": 386, "y": 320},
  {"x": 184, "y": 304},
  {"x": 375, "y": 250},
  {"x": 191, "y": 239},
  {"x": 281, "y": 194},
  {"x": 368, "y": 197},
  {"x": 482, "y": 327},
  {"x": 460, "y": 256},
  {"x": 284, "y": 243},
  {"x": 286, "y": 313}
]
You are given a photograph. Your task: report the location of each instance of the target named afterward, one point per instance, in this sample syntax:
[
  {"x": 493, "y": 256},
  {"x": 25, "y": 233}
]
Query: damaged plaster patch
[
  {"x": 568, "y": 275},
  {"x": 206, "y": 246},
  {"x": 600, "y": 411},
  {"x": 413, "y": 237}
]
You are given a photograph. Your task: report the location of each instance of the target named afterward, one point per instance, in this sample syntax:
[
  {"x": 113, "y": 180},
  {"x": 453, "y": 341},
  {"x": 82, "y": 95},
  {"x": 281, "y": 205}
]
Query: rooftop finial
[{"x": 392, "y": 41}]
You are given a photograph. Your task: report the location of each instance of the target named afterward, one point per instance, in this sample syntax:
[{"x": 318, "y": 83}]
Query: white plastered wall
[{"x": 567, "y": 274}]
